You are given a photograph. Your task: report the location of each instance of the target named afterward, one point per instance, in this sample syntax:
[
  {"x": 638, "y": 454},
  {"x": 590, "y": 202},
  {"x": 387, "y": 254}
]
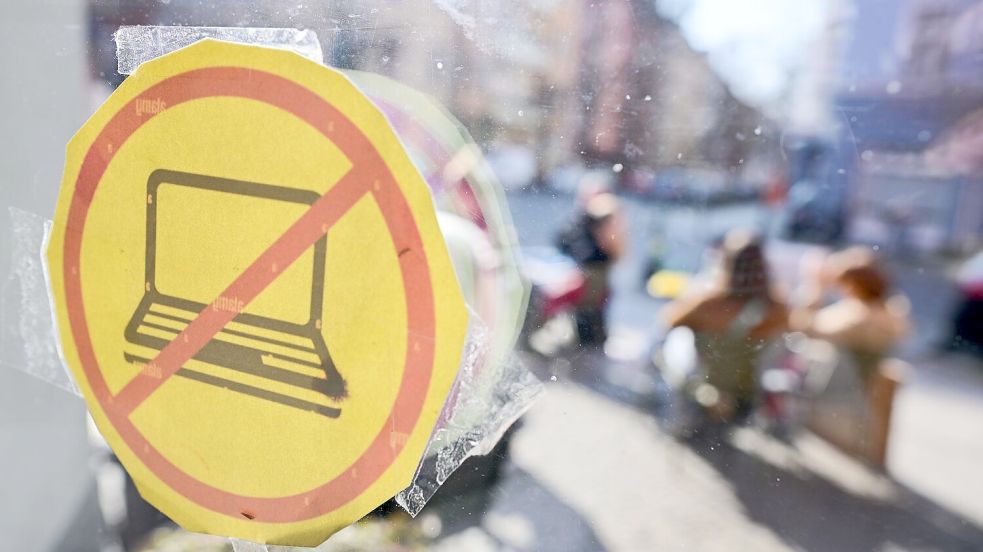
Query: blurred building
[
  {"x": 584, "y": 83},
  {"x": 596, "y": 83},
  {"x": 911, "y": 103},
  {"x": 626, "y": 89}
]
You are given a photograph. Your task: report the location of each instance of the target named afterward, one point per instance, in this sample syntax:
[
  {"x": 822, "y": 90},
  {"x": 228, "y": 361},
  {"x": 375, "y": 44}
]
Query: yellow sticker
[{"x": 253, "y": 293}]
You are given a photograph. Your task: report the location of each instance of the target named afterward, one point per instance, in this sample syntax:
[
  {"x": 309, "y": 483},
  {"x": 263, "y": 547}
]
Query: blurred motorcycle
[
  {"x": 967, "y": 320},
  {"x": 556, "y": 287}
]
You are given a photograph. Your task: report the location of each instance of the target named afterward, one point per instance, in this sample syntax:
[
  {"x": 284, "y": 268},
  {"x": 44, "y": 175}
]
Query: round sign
[{"x": 253, "y": 293}]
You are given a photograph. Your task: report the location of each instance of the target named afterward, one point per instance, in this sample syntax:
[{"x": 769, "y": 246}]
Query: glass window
[{"x": 739, "y": 241}]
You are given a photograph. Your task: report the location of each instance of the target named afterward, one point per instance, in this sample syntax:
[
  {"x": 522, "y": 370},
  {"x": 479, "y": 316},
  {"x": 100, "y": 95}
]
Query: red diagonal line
[{"x": 309, "y": 228}]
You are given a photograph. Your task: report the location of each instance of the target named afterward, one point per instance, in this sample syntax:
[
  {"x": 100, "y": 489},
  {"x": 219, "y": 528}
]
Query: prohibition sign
[{"x": 264, "y": 518}]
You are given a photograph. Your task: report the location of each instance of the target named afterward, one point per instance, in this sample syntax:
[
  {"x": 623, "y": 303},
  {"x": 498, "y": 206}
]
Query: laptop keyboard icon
[{"x": 257, "y": 354}]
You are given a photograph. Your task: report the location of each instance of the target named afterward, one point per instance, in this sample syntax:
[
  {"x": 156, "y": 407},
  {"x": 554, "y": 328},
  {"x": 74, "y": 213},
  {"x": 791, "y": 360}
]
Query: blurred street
[{"x": 593, "y": 470}]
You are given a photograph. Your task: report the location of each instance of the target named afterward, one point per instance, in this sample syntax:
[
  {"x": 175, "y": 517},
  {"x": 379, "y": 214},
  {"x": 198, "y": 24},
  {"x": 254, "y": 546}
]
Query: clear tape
[
  {"x": 488, "y": 397},
  {"x": 136, "y": 44},
  {"x": 28, "y": 334},
  {"x": 247, "y": 546}
]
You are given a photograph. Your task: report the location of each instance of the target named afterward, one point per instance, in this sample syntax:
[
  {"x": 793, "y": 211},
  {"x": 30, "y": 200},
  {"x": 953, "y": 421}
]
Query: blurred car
[
  {"x": 810, "y": 216},
  {"x": 967, "y": 321}
]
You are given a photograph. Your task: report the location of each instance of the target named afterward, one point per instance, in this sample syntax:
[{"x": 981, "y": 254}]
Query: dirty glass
[{"x": 748, "y": 243}]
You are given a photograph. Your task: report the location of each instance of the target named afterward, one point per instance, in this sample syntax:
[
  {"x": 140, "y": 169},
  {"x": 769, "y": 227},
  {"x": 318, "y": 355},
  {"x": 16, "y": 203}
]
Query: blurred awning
[
  {"x": 905, "y": 122},
  {"x": 960, "y": 149}
]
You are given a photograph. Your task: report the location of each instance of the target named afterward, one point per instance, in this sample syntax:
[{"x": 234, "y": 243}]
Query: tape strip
[
  {"x": 28, "y": 335},
  {"x": 490, "y": 394},
  {"x": 247, "y": 546},
  {"x": 136, "y": 44}
]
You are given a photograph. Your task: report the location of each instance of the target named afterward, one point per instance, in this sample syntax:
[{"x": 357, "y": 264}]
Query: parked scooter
[{"x": 556, "y": 287}]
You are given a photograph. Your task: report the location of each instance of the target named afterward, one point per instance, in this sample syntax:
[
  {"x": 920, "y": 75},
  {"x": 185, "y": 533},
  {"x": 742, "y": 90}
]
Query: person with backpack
[{"x": 595, "y": 240}]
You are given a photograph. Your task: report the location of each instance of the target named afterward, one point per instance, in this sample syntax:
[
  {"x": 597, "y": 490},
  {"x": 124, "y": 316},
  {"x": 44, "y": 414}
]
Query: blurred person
[
  {"x": 866, "y": 322},
  {"x": 733, "y": 319},
  {"x": 595, "y": 240},
  {"x": 592, "y": 184},
  {"x": 852, "y": 381}
]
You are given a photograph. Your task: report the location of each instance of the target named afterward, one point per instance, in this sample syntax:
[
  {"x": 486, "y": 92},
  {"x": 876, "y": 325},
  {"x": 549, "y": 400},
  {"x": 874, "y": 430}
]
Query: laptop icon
[{"x": 273, "y": 349}]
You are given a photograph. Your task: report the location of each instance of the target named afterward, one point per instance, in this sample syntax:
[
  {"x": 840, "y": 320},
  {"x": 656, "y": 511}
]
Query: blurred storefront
[{"x": 911, "y": 101}]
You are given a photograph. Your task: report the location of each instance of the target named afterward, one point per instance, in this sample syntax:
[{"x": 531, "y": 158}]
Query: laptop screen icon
[{"x": 202, "y": 231}]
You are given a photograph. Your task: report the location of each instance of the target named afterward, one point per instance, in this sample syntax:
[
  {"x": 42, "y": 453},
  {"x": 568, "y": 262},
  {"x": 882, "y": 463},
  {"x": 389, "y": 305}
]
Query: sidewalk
[
  {"x": 937, "y": 434},
  {"x": 642, "y": 490}
]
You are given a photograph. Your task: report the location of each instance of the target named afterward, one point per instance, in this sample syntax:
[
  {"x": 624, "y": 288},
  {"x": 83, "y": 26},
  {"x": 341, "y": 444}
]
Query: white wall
[{"x": 46, "y": 484}]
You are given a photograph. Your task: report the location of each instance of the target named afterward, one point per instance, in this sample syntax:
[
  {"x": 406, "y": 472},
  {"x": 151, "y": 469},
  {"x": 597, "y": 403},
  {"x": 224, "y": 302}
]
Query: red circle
[{"x": 306, "y": 105}]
